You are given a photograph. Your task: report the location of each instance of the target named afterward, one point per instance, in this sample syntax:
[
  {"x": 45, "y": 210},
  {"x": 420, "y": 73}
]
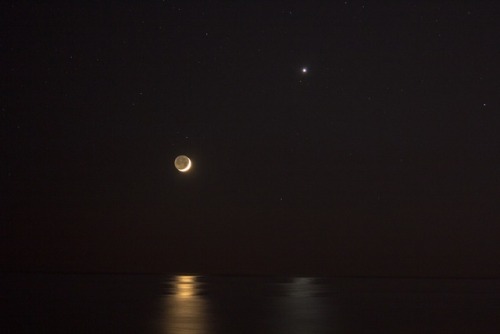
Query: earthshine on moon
[{"x": 182, "y": 163}]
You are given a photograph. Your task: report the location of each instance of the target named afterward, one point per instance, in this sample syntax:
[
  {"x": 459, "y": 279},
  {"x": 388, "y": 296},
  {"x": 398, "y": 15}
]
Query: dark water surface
[{"x": 63, "y": 303}]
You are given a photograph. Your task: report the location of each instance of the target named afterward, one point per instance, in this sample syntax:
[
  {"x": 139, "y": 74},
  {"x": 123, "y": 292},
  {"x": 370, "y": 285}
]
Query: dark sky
[{"x": 382, "y": 159}]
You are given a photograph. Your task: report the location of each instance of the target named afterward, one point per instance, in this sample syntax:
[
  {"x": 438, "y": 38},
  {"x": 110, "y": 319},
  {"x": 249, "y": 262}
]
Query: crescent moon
[{"x": 188, "y": 167}]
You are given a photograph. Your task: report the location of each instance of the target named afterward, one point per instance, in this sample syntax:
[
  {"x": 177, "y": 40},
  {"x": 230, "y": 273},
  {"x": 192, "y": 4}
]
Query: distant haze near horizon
[{"x": 340, "y": 139}]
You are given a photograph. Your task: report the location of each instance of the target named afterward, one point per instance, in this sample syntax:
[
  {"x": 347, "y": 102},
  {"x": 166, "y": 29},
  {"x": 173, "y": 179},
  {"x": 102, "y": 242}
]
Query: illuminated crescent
[{"x": 188, "y": 167}]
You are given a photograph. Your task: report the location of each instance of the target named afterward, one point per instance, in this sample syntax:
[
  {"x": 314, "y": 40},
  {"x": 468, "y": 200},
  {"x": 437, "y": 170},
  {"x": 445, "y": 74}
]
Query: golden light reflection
[
  {"x": 186, "y": 309},
  {"x": 185, "y": 286},
  {"x": 185, "y": 279}
]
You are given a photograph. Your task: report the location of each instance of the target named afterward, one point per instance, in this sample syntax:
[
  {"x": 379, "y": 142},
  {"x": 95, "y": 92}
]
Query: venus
[{"x": 182, "y": 163}]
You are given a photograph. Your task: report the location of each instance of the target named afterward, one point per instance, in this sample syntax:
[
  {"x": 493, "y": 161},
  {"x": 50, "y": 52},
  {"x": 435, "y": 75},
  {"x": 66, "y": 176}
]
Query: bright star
[{"x": 304, "y": 70}]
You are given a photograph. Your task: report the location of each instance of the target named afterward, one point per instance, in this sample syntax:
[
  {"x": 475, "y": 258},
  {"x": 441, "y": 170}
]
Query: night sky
[{"x": 381, "y": 159}]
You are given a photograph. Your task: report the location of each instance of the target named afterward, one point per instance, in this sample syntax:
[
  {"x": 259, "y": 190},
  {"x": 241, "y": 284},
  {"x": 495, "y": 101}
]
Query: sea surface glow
[{"x": 194, "y": 304}]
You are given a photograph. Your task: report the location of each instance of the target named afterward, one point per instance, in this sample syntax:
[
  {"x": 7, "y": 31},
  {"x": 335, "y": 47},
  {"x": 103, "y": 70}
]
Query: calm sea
[{"x": 63, "y": 303}]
